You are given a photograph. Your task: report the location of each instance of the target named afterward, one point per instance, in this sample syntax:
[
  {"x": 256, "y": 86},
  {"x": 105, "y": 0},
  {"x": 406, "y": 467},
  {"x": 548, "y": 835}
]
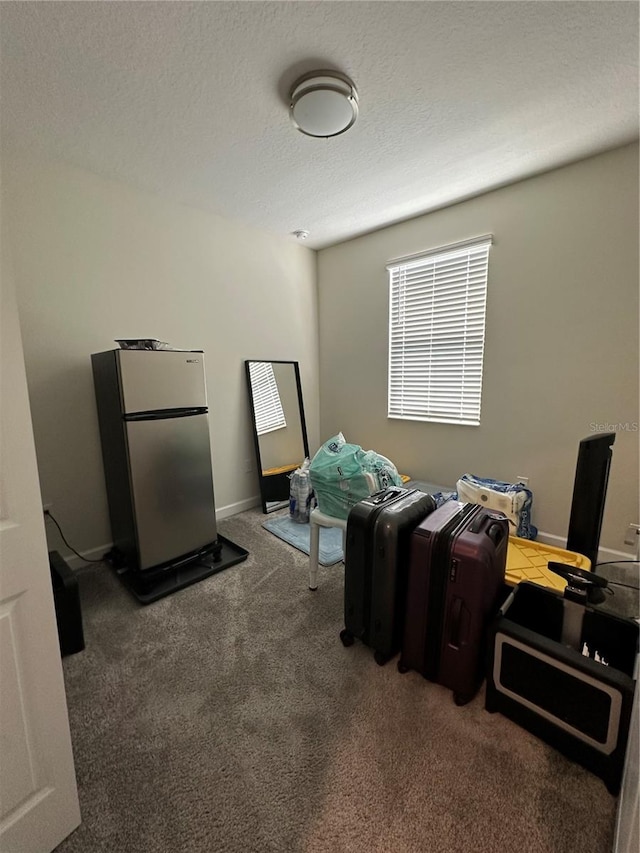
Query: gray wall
[
  {"x": 96, "y": 260},
  {"x": 561, "y": 348}
]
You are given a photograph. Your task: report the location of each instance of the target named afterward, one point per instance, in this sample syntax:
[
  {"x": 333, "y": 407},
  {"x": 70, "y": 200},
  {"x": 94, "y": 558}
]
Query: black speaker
[
  {"x": 66, "y": 599},
  {"x": 589, "y": 493}
]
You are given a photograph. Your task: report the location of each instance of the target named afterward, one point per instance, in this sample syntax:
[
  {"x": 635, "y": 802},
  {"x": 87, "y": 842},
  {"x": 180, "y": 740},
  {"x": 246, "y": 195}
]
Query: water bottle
[
  {"x": 297, "y": 501},
  {"x": 293, "y": 497},
  {"x": 303, "y": 498}
]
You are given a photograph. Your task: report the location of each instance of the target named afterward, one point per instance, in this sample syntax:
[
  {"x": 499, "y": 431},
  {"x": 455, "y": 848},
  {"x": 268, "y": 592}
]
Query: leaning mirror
[{"x": 279, "y": 428}]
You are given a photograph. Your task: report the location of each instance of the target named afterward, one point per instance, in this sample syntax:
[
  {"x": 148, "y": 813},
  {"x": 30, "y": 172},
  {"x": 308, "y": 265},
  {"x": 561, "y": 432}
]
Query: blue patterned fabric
[{"x": 520, "y": 497}]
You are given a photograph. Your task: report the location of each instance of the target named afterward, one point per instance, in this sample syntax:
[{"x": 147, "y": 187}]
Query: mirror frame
[{"x": 275, "y": 485}]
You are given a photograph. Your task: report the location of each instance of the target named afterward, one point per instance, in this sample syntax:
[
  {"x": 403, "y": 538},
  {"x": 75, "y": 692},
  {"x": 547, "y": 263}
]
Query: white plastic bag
[{"x": 513, "y": 499}]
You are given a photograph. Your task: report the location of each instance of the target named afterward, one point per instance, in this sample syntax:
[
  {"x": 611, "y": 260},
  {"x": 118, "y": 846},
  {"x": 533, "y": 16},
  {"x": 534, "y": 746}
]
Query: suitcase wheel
[
  {"x": 462, "y": 698},
  {"x": 402, "y": 667},
  {"x": 346, "y": 637},
  {"x": 380, "y": 658}
]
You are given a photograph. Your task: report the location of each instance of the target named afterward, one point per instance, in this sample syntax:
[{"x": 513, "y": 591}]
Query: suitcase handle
[
  {"x": 495, "y": 532},
  {"x": 385, "y": 495},
  {"x": 456, "y": 623}
]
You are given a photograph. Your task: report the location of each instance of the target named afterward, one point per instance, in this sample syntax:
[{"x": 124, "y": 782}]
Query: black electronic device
[
  {"x": 558, "y": 666},
  {"x": 566, "y": 671},
  {"x": 66, "y": 599},
  {"x": 589, "y": 493},
  {"x": 583, "y": 587}
]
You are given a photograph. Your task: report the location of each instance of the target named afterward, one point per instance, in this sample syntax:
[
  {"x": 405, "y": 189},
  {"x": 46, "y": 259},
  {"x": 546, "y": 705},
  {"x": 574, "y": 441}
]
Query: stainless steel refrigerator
[{"x": 154, "y": 429}]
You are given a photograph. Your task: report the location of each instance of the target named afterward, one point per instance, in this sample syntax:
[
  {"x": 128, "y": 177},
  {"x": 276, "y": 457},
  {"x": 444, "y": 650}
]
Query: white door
[
  {"x": 38, "y": 796},
  {"x": 627, "y": 838}
]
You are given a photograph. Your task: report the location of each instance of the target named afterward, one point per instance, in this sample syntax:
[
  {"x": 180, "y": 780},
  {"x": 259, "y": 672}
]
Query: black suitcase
[
  {"x": 455, "y": 586},
  {"x": 376, "y": 564}
]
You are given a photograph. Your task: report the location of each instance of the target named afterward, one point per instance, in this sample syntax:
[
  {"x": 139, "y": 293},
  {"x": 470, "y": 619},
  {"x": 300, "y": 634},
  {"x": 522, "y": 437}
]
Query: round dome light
[{"x": 323, "y": 104}]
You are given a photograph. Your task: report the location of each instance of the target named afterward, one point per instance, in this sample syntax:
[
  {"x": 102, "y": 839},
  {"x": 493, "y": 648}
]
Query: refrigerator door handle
[{"x": 163, "y": 414}]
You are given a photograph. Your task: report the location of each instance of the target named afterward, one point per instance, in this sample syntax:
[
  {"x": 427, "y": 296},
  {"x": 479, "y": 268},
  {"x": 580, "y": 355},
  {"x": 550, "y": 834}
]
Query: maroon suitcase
[{"x": 457, "y": 560}]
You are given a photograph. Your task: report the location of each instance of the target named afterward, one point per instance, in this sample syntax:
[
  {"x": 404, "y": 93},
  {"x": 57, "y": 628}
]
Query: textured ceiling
[{"x": 189, "y": 100}]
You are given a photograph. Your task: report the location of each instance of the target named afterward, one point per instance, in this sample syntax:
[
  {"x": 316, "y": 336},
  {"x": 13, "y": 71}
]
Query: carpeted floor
[{"x": 228, "y": 718}]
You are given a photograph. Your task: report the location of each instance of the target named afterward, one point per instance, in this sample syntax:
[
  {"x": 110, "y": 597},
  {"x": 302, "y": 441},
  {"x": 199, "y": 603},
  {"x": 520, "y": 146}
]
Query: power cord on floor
[
  {"x": 47, "y": 514},
  {"x": 617, "y": 583}
]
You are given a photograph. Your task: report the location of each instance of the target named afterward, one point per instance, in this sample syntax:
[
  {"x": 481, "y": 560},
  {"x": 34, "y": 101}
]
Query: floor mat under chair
[{"x": 298, "y": 535}]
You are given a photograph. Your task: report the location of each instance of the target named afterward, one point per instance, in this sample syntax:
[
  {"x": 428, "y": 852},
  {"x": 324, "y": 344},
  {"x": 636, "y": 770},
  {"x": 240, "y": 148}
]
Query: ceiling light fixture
[
  {"x": 300, "y": 234},
  {"x": 323, "y": 104}
]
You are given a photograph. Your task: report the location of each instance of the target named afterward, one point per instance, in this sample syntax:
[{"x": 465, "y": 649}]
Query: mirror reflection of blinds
[
  {"x": 437, "y": 306},
  {"x": 266, "y": 399}
]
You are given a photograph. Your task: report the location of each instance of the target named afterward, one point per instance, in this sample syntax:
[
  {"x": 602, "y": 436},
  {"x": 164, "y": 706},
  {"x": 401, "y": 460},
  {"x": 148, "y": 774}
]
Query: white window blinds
[
  {"x": 266, "y": 399},
  {"x": 436, "y": 333}
]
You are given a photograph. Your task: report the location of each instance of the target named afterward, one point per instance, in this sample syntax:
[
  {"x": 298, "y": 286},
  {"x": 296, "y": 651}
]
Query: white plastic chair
[{"x": 317, "y": 520}]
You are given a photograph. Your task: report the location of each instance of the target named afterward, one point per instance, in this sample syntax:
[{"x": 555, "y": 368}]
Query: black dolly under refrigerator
[{"x": 154, "y": 430}]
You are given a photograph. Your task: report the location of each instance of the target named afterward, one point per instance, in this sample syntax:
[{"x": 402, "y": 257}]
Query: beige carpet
[{"x": 228, "y": 718}]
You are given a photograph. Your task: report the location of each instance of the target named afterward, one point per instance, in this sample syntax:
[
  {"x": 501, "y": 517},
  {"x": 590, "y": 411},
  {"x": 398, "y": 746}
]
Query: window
[
  {"x": 436, "y": 333},
  {"x": 266, "y": 399}
]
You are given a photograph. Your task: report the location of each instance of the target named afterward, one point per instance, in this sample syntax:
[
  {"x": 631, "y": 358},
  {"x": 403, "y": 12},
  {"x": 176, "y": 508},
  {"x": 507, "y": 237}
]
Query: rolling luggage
[
  {"x": 456, "y": 579},
  {"x": 376, "y": 563}
]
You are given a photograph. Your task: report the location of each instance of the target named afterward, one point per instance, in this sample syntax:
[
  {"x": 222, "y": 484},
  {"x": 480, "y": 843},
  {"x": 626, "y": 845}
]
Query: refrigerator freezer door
[
  {"x": 172, "y": 485},
  {"x": 155, "y": 380}
]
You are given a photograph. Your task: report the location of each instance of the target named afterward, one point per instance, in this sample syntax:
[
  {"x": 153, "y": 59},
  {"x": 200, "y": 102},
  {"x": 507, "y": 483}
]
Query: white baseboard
[
  {"x": 235, "y": 508},
  {"x": 74, "y": 562},
  {"x": 605, "y": 555}
]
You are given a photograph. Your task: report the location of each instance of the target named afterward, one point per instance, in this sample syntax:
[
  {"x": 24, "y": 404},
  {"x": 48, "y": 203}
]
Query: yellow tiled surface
[
  {"x": 283, "y": 469},
  {"x": 527, "y": 561}
]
